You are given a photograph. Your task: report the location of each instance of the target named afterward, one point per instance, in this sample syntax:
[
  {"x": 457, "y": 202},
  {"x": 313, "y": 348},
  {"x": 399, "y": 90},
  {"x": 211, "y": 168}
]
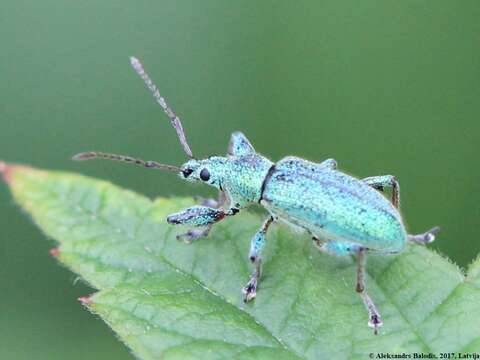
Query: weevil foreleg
[
  {"x": 425, "y": 238},
  {"x": 210, "y": 202},
  {"x": 199, "y": 216},
  {"x": 375, "y": 320},
  {"x": 194, "y": 234},
  {"x": 380, "y": 182},
  {"x": 256, "y": 246},
  {"x": 239, "y": 145}
]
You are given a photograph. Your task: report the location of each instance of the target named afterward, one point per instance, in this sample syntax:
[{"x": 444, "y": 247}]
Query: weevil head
[
  {"x": 241, "y": 177},
  {"x": 210, "y": 171}
]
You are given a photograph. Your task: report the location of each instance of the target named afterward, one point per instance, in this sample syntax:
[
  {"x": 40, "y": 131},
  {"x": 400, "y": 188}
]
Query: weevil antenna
[
  {"x": 174, "y": 119},
  {"x": 148, "y": 164}
]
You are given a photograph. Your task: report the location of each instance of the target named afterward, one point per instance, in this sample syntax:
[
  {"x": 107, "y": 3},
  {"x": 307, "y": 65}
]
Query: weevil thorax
[{"x": 241, "y": 177}]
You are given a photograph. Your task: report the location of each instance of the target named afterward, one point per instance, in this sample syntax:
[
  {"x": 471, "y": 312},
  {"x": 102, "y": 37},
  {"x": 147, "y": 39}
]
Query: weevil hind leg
[
  {"x": 380, "y": 182},
  {"x": 375, "y": 320},
  {"x": 339, "y": 248},
  {"x": 425, "y": 238},
  {"x": 210, "y": 202},
  {"x": 256, "y": 246}
]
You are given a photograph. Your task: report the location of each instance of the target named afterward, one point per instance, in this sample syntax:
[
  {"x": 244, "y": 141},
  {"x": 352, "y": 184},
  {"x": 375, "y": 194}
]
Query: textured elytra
[{"x": 167, "y": 299}]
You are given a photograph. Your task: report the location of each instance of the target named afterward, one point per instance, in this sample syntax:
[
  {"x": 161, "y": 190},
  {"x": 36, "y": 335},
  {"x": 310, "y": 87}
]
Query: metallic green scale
[
  {"x": 327, "y": 203},
  {"x": 333, "y": 206},
  {"x": 344, "y": 215},
  {"x": 241, "y": 177}
]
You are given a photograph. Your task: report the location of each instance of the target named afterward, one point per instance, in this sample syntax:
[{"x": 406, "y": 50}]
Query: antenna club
[{"x": 136, "y": 64}]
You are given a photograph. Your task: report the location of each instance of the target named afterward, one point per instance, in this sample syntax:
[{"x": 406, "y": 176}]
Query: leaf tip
[
  {"x": 54, "y": 252},
  {"x": 5, "y": 170},
  {"x": 85, "y": 300}
]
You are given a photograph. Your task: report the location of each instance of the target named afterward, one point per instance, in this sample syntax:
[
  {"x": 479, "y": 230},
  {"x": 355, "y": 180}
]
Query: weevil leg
[
  {"x": 201, "y": 217},
  {"x": 239, "y": 145},
  {"x": 379, "y": 182},
  {"x": 256, "y": 245},
  {"x": 334, "y": 247},
  {"x": 320, "y": 244},
  {"x": 425, "y": 238},
  {"x": 210, "y": 202},
  {"x": 329, "y": 163},
  {"x": 339, "y": 248},
  {"x": 194, "y": 234},
  {"x": 375, "y": 320}
]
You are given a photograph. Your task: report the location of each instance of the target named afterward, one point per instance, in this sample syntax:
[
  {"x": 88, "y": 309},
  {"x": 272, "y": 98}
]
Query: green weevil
[{"x": 343, "y": 215}]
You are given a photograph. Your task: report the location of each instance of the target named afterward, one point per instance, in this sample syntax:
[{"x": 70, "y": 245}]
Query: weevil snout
[
  {"x": 187, "y": 172},
  {"x": 207, "y": 170}
]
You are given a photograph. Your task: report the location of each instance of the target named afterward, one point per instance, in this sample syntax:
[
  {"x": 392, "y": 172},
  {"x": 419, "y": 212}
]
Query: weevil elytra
[{"x": 343, "y": 214}]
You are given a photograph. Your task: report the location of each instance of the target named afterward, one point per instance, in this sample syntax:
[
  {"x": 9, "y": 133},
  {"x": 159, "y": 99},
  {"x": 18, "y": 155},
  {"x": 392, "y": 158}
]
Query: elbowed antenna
[
  {"x": 148, "y": 164},
  {"x": 174, "y": 119}
]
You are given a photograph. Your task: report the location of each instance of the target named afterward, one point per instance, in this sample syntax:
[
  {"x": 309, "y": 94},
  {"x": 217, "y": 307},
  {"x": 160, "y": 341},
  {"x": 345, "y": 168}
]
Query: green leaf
[{"x": 166, "y": 299}]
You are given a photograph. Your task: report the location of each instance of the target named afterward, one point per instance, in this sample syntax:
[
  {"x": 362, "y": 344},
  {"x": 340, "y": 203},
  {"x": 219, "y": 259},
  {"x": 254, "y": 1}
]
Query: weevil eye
[
  {"x": 187, "y": 172},
  {"x": 204, "y": 175}
]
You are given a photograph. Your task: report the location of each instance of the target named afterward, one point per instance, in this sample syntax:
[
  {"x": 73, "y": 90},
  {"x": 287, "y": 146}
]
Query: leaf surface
[{"x": 166, "y": 299}]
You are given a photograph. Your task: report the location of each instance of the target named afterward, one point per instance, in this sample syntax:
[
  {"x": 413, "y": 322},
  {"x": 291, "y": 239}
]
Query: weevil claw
[
  {"x": 186, "y": 238},
  {"x": 425, "y": 238},
  {"x": 375, "y": 322},
  {"x": 430, "y": 234},
  {"x": 250, "y": 290}
]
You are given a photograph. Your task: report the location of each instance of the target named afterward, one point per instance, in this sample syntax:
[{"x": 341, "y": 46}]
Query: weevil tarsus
[
  {"x": 249, "y": 291},
  {"x": 194, "y": 234},
  {"x": 425, "y": 238},
  {"x": 255, "y": 255}
]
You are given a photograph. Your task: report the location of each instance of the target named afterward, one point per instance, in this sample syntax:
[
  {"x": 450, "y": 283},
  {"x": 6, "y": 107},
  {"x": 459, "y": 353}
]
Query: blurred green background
[{"x": 385, "y": 87}]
